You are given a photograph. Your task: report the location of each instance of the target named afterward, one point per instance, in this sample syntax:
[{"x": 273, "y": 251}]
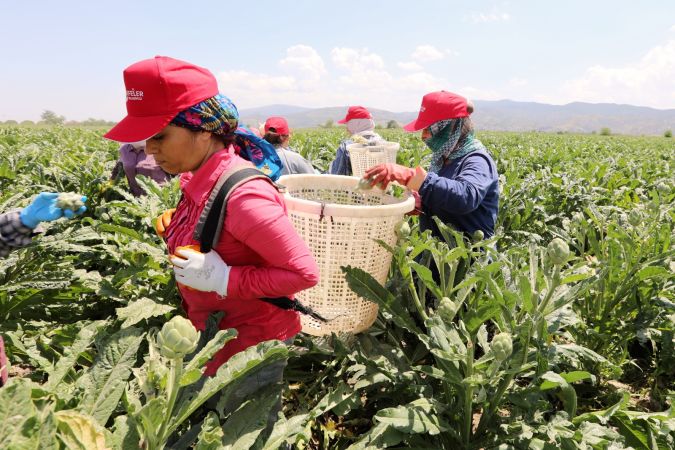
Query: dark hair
[
  {"x": 467, "y": 126},
  {"x": 273, "y": 138}
]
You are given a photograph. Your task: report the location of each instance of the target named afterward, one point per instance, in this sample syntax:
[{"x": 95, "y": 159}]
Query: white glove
[{"x": 201, "y": 271}]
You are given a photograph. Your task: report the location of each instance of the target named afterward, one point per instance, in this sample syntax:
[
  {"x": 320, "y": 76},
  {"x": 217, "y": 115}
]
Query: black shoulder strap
[
  {"x": 211, "y": 221},
  {"x": 212, "y": 218}
]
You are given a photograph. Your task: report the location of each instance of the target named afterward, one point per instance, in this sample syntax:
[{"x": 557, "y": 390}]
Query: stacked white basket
[
  {"x": 340, "y": 225},
  {"x": 364, "y": 156}
]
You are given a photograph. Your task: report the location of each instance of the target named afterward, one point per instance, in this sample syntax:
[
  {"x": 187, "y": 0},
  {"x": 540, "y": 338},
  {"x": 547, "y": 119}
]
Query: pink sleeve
[{"x": 256, "y": 217}]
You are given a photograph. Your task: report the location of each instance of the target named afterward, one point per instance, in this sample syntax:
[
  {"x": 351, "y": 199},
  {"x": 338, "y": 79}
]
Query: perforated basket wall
[
  {"x": 363, "y": 157},
  {"x": 340, "y": 226}
]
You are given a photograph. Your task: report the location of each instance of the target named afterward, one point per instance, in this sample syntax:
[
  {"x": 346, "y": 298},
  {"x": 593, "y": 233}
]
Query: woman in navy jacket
[{"x": 461, "y": 187}]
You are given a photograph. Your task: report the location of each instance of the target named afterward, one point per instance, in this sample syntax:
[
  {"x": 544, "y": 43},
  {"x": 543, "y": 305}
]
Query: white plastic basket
[
  {"x": 340, "y": 226},
  {"x": 363, "y": 157}
]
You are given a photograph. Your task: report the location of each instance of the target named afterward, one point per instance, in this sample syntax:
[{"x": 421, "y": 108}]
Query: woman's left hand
[
  {"x": 200, "y": 271},
  {"x": 384, "y": 174},
  {"x": 418, "y": 205}
]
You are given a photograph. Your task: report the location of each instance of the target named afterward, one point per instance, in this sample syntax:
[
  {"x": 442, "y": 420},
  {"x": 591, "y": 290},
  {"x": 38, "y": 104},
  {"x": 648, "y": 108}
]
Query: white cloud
[
  {"x": 303, "y": 61},
  {"x": 359, "y": 76},
  {"x": 649, "y": 81},
  {"x": 672, "y": 28},
  {"x": 240, "y": 79},
  {"x": 410, "y": 65},
  {"x": 474, "y": 93},
  {"x": 363, "y": 69},
  {"x": 427, "y": 53},
  {"x": 420, "y": 81},
  {"x": 300, "y": 85},
  {"x": 352, "y": 59},
  {"x": 494, "y": 15}
]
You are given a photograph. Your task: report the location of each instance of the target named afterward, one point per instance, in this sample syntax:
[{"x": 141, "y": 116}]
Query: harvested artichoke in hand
[
  {"x": 70, "y": 200},
  {"x": 364, "y": 185}
]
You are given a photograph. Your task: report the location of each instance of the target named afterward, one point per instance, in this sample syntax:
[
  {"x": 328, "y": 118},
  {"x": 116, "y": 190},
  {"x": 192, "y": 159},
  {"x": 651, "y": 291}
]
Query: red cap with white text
[{"x": 157, "y": 90}]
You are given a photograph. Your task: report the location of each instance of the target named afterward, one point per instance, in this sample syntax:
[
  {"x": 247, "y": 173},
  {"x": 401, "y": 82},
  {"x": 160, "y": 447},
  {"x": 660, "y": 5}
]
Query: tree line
[{"x": 50, "y": 118}]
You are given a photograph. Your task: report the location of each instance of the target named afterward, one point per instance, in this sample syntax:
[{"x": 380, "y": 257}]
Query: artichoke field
[{"x": 559, "y": 332}]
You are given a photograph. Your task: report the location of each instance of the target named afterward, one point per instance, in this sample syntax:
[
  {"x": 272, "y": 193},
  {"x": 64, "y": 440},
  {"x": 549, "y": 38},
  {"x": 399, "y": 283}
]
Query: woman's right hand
[{"x": 162, "y": 222}]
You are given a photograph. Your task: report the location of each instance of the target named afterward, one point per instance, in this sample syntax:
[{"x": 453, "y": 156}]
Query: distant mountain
[
  {"x": 275, "y": 110},
  {"x": 575, "y": 117},
  {"x": 502, "y": 115},
  {"x": 299, "y": 117}
]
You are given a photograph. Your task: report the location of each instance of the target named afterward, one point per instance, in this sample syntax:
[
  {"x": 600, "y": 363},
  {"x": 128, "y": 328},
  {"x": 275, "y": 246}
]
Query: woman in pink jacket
[{"x": 191, "y": 129}]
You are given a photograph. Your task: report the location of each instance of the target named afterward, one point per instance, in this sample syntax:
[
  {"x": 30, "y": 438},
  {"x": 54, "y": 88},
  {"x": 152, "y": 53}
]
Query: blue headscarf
[{"x": 218, "y": 115}]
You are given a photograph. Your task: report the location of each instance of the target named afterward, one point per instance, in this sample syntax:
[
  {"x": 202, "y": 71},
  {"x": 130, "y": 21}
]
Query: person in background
[
  {"x": 461, "y": 187},
  {"x": 360, "y": 126},
  {"x": 278, "y": 134},
  {"x": 134, "y": 161},
  {"x": 193, "y": 130}
]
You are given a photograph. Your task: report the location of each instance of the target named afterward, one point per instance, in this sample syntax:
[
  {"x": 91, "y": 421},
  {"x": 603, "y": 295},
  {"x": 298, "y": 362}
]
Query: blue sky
[{"x": 68, "y": 56}]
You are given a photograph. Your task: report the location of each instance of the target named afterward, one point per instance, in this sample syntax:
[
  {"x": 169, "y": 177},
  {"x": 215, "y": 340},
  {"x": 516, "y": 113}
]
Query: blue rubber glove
[{"x": 44, "y": 209}]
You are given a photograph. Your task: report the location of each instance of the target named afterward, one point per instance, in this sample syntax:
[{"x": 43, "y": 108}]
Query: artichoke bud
[
  {"x": 558, "y": 251},
  {"x": 69, "y": 200},
  {"x": 653, "y": 207},
  {"x": 177, "y": 338},
  {"x": 358, "y": 139},
  {"x": 402, "y": 229},
  {"x": 663, "y": 188},
  {"x": 502, "y": 346},
  {"x": 635, "y": 218},
  {"x": 364, "y": 185},
  {"x": 447, "y": 309}
]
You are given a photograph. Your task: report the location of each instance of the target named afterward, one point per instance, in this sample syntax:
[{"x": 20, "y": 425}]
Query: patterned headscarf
[
  {"x": 446, "y": 143},
  {"x": 219, "y": 116}
]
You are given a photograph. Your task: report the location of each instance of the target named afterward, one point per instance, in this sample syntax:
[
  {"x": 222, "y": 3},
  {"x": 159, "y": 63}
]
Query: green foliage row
[{"x": 519, "y": 343}]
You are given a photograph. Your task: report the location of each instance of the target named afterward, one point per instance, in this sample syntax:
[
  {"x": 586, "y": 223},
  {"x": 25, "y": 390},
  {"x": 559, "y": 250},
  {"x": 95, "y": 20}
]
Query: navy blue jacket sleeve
[{"x": 461, "y": 194}]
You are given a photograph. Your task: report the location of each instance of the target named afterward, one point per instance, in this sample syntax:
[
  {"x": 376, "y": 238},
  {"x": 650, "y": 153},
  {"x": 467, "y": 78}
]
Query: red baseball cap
[
  {"x": 438, "y": 106},
  {"x": 356, "y": 112},
  {"x": 157, "y": 90},
  {"x": 277, "y": 125}
]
